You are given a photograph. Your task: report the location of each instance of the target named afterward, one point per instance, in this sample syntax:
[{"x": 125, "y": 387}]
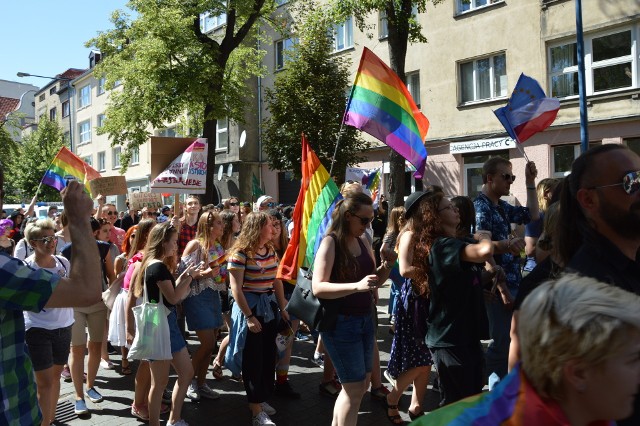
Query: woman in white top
[{"x": 48, "y": 332}]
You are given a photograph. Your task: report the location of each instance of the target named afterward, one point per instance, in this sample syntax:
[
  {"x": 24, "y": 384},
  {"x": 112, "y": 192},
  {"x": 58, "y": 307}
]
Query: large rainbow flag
[
  {"x": 513, "y": 402},
  {"x": 66, "y": 163},
  {"x": 381, "y": 105},
  {"x": 312, "y": 215}
]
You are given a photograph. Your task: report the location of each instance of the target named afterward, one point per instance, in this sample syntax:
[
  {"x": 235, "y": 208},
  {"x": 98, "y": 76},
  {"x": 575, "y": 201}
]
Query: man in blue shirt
[{"x": 496, "y": 216}]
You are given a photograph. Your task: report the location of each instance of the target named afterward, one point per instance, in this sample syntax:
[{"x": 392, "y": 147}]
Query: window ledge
[
  {"x": 480, "y": 9},
  {"x": 80, "y": 108},
  {"x": 483, "y": 102},
  {"x": 346, "y": 49},
  {"x": 632, "y": 93},
  {"x": 547, "y": 3},
  {"x": 83, "y": 143}
]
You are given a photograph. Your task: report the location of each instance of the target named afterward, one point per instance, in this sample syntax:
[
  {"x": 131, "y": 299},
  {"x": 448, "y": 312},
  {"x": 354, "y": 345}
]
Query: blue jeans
[
  {"x": 497, "y": 355},
  {"x": 350, "y": 347},
  {"x": 394, "y": 296}
]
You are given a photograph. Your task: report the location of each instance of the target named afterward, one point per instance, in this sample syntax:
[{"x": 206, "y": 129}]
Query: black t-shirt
[
  {"x": 544, "y": 271},
  {"x": 457, "y": 315},
  {"x": 155, "y": 273},
  {"x": 103, "y": 249}
]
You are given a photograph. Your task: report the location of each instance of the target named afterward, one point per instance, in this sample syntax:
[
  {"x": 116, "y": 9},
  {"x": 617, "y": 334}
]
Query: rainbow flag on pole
[
  {"x": 67, "y": 164},
  {"x": 312, "y": 215},
  {"x": 381, "y": 105}
]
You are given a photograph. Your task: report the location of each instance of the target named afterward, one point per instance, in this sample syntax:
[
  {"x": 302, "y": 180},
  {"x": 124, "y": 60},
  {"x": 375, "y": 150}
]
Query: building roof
[
  {"x": 7, "y": 105},
  {"x": 70, "y": 73}
]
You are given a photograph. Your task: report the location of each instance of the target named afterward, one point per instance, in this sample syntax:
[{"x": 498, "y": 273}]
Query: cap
[
  {"x": 262, "y": 199},
  {"x": 412, "y": 202},
  {"x": 166, "y": 209}
]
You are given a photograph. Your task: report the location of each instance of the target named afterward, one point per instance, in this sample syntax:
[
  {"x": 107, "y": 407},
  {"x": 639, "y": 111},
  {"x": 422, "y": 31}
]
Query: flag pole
[
  {"x": 335, "y": 152},
  {"x": 522, "y": 151}
]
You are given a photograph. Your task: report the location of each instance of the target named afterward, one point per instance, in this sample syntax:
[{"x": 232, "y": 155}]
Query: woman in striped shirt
[{"x": 253, "y": 264}]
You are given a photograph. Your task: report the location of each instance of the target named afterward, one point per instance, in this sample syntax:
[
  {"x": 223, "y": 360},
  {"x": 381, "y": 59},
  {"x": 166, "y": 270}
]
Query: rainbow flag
[
  {"x": 67, "y": 164},
  {"x": 381, "y": 105},
  {"x": 371, "y": 181},
  {"x": 513, "y": 402},
  {"x": 312, "y": 215}
]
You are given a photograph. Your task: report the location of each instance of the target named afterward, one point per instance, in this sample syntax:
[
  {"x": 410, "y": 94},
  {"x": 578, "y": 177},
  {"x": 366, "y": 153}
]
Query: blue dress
[{"x": 409, "y": 349}]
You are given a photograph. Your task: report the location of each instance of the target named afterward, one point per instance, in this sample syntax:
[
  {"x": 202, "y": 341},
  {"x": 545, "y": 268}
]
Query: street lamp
[{"x": 57, "y": 78}]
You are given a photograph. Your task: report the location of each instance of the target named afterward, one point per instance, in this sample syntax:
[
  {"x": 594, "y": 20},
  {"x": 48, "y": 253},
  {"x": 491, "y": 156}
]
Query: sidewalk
[{"x": 231, "y": 409}]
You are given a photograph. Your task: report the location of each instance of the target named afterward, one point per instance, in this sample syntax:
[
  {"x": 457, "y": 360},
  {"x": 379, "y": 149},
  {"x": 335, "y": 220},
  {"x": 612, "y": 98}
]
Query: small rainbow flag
[
  {"x": 381, "y": 105},
  {"x": 67, "y": 164},
  {"x": 371, "y": 181},
  {"x": 312, "y": 215}
]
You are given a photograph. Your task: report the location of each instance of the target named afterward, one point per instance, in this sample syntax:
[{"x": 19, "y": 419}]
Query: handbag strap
[{"x": 145, "y": 295}]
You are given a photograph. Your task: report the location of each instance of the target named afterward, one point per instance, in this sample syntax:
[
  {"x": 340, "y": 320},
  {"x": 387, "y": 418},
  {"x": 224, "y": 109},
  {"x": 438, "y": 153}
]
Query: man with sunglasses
[
  {"x": 25, "y": 289},
  {"x": 496, "y": 216},
  {"x": 265, "y": 203},
  {"x": 109, "y": 212},
  {"x": 598, "y": 232}
]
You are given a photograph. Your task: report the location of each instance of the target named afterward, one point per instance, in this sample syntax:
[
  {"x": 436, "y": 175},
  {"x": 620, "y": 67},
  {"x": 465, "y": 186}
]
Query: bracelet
[
  {"x": 189, "y": 275},
  {"x": 533, "y": 188},
  {"x": 249, "y": 316}
]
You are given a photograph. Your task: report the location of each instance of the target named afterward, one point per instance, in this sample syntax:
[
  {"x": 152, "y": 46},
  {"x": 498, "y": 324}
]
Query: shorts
[
  {"x": 203, "y": 312},
  {"x": 350, "y": 347},
  {"x": 92, "y": 318},
  {"x": 48, "y": 347},
  {"x": 177, "y": 339}
]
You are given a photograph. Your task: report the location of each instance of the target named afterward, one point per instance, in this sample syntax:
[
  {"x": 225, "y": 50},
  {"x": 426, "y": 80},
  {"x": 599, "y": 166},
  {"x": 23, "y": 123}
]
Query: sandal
[
  {"x": 330, "y": 388},
  {"x": 395, "y": 419},
  {"x": 413, "y": 416},
  {"x": 125, "y": 370},
  {"x": 216, "y": 372},
  {"x": 380, "y": 392}
]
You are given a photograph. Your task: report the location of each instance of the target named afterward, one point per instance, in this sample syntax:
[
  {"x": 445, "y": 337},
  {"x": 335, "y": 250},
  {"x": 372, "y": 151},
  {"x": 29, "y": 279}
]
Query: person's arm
[
  {"x": 530, "y": 246},
  {"x": 530, "y": 173},
  {"x": 84, "y": 285},
  {"x": 322, "y": 267},
  {"x": 175, "y": 295},
  {"x": 385, "y": 266},
  {"x": 478, "y": 253},
  {"x": 118, "y": 265},
  {"x": 514, "y": 346},
  {"x": 236, "y": 278},
  {"x": 282, "y": 301},
  {"x": 405, "y": 256},
  {"x": 100, "y": 199},
  {"x": 109, "y": 268},
  {"x": 129, "y": 320}
]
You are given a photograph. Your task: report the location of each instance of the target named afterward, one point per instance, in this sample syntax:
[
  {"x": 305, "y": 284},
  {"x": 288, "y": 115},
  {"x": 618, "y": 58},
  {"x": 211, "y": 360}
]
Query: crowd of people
[{"x": 552, "y": 285}]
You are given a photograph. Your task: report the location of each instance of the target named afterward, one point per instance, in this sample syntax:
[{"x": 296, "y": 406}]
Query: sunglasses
[
  {"x": 630, "y": 183},
  {"x": 233, "y": 204},
  {"x": 112, "y": 213},
  {"x": 132, "y": 236},
  {"x": 507, "y": 176},
  {"x": 46, "y": 240},
  {"x": 363, "y": 220},
  {"x": 268, "y": 205}
]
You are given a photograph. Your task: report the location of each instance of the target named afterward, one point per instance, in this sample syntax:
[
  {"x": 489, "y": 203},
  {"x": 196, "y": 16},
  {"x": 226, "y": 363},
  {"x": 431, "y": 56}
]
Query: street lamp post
[{"x": 57, "y": 78}]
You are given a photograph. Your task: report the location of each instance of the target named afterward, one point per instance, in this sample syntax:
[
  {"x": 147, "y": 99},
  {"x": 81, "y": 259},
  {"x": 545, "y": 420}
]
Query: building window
[
  {"x": 53, "y": 90},
  {"x": 209, "y": 23},
  {"x": 84, "y": 129},
  {"x": 633, "y": 144},
  {"x": 115, "y": 157},
  {"x": 610, "y": 64},
  {"x": 168, "y": 133},
  {"x": 222, "y": 134},
  {"x": 84, "y": 96},
  {"x": 100, "y": 120},
  {"x": 484, "y": 78},
  {"x": 53, "y": 114},
  {"x": 42, "y": 97},
  {"x": 88, "y": 159},
  {"x": 65, "y": 109},
  {"x": 562, "y": 158},
  {"x": 413, "y": 85},
  {"x": 101, "y": 85},
  {"x": 282, "y": 48},
  {"x": 102, "y": 161},
  {"x": 383, "y": 25},
  {"x": 343, "y": 35},
  {"x": 135, "y": 155},
  {"x": 66, "y": 139},
  {"x": 467, "y": 5}
]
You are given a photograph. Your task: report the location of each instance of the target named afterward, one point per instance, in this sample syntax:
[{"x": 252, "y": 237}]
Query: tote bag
[
  {"x": 152, "y": 340},
  {"x": 320, "y": 314}
]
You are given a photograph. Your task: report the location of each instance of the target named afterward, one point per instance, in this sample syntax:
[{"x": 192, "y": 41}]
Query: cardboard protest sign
[
  {"x": 111, "y": 185},
  {"x": 138, "y": 200},
  {"x": 187, "y": 173}
]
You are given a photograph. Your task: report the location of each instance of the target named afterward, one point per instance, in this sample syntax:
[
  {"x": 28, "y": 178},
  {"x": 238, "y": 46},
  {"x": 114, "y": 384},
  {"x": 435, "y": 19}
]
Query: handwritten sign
[
  {"x": 111, "y": 185},
  {"x": 138, "y": 200},
  {"x": 187, "y": 174}
]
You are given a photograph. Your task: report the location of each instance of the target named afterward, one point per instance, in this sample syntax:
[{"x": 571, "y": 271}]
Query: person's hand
[
  {"x": 189, "y": 270},
  {"x": 101, "y": 199},
  {"x": 130, "y": 337},
  {"x": 391, "y": 257},
  {"x": 507, "y": 298},
  {"x": 77, "y": 205},
  {"x": 530, "y": 173},
  {"x": 174, "y": 221},
  {"x": 285, "y": 315},
  {"x": 515, "y": 245},
  {"x": 367, "y": 283},
  {"x": 482, "y": 235},
  {"x": 254, "y": 325}
]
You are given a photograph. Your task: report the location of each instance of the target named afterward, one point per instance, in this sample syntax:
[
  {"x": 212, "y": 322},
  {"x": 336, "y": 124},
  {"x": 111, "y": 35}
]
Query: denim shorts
[
  {"x": 48, "y": 347},
  {"x": 203, "y": 311},
  {"x": 350, "y": 347},
  {"x": 177, "y": 340}
]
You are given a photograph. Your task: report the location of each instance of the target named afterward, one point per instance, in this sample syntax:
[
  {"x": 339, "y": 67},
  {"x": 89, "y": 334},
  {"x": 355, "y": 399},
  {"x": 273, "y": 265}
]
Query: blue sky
[{"x": 46, "y": 37}]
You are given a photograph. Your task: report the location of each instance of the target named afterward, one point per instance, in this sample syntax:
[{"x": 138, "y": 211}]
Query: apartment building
[{"x": 17, "y": 106}]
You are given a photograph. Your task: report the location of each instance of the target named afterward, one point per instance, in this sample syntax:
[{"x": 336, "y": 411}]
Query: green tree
[
  {"x": 9, "y": 149},
  {"x": 403, "y": 28},
  {"x": 169, "y": 68},
  {"x": 36, "y": 153},
  {"x": 309, "y": 96}
]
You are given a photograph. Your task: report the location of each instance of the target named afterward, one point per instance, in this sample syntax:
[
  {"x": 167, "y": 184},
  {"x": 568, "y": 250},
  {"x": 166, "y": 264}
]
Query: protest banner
[
  {"x": 187, "y": 173},
  {"x": 110, "y": 185},
  {"x": 138, "y": 200}
]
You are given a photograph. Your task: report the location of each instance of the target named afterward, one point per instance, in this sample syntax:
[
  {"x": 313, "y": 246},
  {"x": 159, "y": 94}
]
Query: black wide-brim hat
[{"x": 413, "y": 201}]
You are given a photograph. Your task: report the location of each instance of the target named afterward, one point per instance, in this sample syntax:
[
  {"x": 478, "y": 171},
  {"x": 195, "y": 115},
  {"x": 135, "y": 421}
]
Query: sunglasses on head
[
  {"x": 630, "y": 183},
  {"x": 363, "y": 220},
  {"x": 508, "y": 176},
  {"x": 46, "y": 240}
]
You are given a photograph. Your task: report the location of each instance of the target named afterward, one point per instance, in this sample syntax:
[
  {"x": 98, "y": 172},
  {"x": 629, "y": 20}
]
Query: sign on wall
[{"x": 481, "y": 145}]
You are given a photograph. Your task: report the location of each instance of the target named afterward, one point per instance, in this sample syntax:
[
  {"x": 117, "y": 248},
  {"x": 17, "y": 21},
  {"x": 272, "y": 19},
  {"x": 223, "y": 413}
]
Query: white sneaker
[
  {"x": 262, "y": 419},
  {"x": 268, "y": 409},
  {"x": 192, "y": 392},
  {"x": 180, "y": 422},
  {"x": 206, "y": 392}
]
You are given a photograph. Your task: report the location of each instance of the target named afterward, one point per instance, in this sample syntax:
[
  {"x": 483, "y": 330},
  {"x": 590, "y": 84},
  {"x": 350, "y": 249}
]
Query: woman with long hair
[
  {"x": 7, "y": 245},
  {"x": 394, "y": 225},
  {"x": 545, "y": 191},
  {"x": 16, "y": 232},
  {"x": 202, "y": 305},
  {"x": 258, "y": 296},
  {"x": 48, "y": 332},
  {"x": 280, "y": 239},
  {"x": 156, "y": 278},
  {"x": 344, "y": 270}
]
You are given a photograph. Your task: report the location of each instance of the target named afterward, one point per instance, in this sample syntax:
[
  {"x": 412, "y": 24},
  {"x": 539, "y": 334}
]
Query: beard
[{"x": 624, "y": 223}]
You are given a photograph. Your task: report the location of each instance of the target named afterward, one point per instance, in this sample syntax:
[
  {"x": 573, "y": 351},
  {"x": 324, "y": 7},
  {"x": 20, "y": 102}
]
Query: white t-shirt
[
  {"x": 24, "y": 250},
  {"x": 50, "y": 318}
]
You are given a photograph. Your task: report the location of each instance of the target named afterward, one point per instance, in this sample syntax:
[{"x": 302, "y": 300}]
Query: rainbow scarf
[
  {"x": 312, "y": 215},
  {"x": 381, "y": 105},
  {"x": 513, "y": 402},
  {"x": 66, "y": 164}
]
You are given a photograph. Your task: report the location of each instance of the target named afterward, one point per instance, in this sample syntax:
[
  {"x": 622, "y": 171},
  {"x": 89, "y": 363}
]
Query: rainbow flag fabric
[
  {"x": 513, "y": 402},
  {"x": 312, "y": 215},
  {"x": 67, "y": 164},
  {"x": 371, "y": 181},
  {"x": 381, "y": 105}
]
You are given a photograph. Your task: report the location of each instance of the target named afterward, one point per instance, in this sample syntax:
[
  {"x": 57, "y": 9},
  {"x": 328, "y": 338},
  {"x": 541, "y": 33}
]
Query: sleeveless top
[{"x": 357, "y": 303}]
